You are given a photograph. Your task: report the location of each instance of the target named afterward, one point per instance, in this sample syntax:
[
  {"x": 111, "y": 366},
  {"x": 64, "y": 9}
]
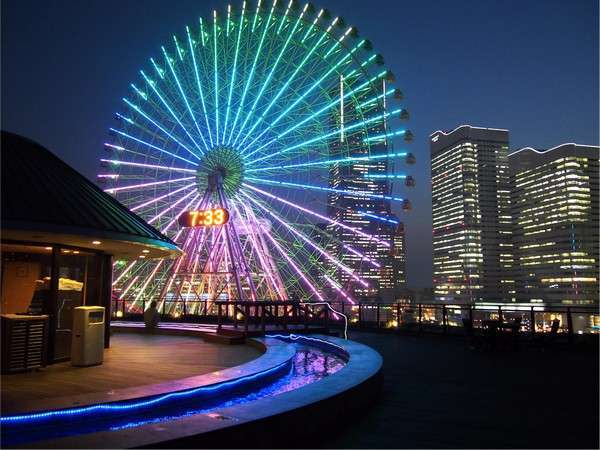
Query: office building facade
[
  {"x": 555, "y": 218},
  {"x": 380, "y": 265},
  {"x": 472, "y": 246}
]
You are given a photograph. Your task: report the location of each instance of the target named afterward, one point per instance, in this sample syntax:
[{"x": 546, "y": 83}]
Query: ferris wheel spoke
[
  {"x": 376, "y": 119},
  {"x": 364, "y": 87},
  {"x": 234, "y": 69},
  {"x": 162, "y": 197},
  {"x": 216, "y": 74},
  {"x": 320, "y": 216},
  {"x": 259, "y": 252},
  {"x": 308, "y": 241},
  {"x": 173, "y": 221},
  {"x": 185, "y": 100},
  {"x": 143, "y": 185},
  {"x": 312, "y": 26},
  {"x": 152, "y": 85},
  {"x": 270, "y": 75},
  {"x": 198, "y": 83},
  {"x": 146, "y": 166},
  {"x": 287, "y": 84},
  {"x": 139, "y": 110},
  {"x": 319, "y": 112},
  {"x": 339, "y": 289},
  {"x": 152, "y": 146},
  {"x": 327, "y": 162},
  {"x": 171, "y": 207},
  {"x": 252, "y": 70},
  {"x": 299, "y": 272},
  {"x": 284, "y": 253},
  {"x": 291, "y": 185}
]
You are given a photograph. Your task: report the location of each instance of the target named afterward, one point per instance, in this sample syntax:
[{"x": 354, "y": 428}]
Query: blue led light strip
[
  {"x": 296, "y": 337},
  {"x": 25, "y": 418},
  {"x": 373, "y": 216}
]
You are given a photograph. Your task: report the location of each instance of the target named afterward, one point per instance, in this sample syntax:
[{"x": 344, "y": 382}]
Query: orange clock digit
[
  {"x": 208, "y": 217},
  {"x": 219, "y": 217}
]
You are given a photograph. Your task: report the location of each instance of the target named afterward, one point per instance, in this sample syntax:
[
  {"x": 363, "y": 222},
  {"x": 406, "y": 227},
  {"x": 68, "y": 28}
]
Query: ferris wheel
[{"x": 226, "y": 143}]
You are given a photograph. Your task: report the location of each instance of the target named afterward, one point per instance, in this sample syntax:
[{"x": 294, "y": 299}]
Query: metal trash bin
[{"x": 87, "y": 345}]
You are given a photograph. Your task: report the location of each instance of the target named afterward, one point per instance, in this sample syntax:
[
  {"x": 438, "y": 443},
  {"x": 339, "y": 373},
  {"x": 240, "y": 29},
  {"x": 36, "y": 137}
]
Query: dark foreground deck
[
  {"x": 440, "y": 394},
  {"x": 133, "y": 360}
]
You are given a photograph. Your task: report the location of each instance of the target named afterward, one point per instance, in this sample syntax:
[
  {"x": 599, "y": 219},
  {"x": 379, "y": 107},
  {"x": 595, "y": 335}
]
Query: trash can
[{"x": 87, "y": 348}]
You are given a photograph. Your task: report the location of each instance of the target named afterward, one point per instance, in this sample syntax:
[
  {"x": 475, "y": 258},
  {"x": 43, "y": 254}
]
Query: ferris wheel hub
[{"x": 221, "y": 166}]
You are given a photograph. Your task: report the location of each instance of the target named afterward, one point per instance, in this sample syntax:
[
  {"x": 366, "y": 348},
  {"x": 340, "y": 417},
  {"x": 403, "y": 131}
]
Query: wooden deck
[{"x": 133, "y": 360}]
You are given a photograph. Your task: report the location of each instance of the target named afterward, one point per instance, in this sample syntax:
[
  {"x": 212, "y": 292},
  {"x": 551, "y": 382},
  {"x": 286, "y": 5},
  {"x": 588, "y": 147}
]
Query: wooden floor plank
[{"x": 132, "y": 360}]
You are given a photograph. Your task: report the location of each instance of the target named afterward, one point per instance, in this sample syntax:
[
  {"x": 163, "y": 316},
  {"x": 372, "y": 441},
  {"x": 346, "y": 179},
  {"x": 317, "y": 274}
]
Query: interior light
[
  {"x": 145, "y": 251},
  {"x": 47, "y": 248},
  {"x": 142, "y": 256},
  {"x": 96, "y": 242}
]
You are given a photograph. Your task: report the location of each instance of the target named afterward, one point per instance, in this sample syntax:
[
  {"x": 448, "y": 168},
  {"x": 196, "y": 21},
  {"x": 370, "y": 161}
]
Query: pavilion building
[{"x": 60, "y": 236}]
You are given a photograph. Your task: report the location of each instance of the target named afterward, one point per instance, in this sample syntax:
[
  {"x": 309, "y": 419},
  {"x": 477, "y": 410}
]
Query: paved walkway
[
  {"x": 132, "y": 360},
  {"x": 440, "y": 394}
]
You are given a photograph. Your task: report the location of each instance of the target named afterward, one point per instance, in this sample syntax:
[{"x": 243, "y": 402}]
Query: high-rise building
[
  {"x": 379, "y": 265},
  {"x": 472, "y": 249},
  {"x": 555, "y": 215}
]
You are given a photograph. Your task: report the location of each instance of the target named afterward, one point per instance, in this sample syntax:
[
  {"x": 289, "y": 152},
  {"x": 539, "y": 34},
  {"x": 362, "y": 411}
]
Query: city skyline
[{"x": 545, "y": 98}]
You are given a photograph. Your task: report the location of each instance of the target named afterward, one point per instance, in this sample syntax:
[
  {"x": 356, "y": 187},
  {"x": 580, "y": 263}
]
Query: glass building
[
  {"x": 555, "y": 216},
  {"x": 386, "y": 270},
  {"x": 472, "y": 249}
]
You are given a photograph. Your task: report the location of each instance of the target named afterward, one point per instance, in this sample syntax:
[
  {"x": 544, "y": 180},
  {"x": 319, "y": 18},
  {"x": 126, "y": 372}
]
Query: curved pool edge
[
  {"x": 274, "y": 354},
  {"x": 243, "y": 426}
]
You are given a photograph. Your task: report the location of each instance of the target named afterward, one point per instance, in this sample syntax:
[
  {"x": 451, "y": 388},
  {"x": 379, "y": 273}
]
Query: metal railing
[{"x": 421, "y": 317}]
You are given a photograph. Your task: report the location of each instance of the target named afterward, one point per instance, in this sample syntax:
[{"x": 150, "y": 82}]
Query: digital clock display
[{"x": 204, "y": 218}]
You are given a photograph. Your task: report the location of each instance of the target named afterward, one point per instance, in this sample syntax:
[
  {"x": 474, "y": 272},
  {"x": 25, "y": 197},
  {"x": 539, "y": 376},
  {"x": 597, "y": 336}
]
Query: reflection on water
[{"x": 310, "y": 364}]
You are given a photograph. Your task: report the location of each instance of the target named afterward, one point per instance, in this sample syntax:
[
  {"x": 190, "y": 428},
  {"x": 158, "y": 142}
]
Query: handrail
[{"x": 424, "y": 316}]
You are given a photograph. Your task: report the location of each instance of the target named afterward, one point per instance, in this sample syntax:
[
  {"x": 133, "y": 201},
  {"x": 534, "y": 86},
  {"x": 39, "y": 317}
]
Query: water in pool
[{"x": 309, "y": 365}]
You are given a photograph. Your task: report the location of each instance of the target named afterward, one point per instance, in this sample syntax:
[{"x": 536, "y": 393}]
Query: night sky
[{"x": 527, "y": 65}]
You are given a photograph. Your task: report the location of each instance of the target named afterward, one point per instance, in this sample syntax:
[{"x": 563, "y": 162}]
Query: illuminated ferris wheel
[{"x": 226, "y": 142}]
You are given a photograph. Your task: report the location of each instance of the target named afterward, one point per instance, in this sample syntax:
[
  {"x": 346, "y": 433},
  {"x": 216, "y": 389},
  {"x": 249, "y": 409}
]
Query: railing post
[
  {"x": 398, "y": 315},
  {"x": 360, "y": 315},
  {"x": 235, "y": 319},
  {"x": 444, "y": 319},
  {"x": 326, "y": 317},
  {"x": 247, "y": 313},
  {"x": 500, "y": 313},
  {"x": 471, "y": 314},
  {"x": 285, "y": 325},
  {"x": 420, "y": 317},
  {"x": 569, "y": 324},
  {"x": 218, "y": 317},
  {"x": 532, "y": 321},
  {"x": 184, "y": 308},
  {"x": 263, "y": 325},
  {"x": 306, "y": 317},
  {"x": 377, "y": 315}
]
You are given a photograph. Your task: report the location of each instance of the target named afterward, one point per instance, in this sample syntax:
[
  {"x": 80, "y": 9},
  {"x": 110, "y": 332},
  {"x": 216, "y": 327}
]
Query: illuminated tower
[
  {"x": 555, "y": 215},
  {"x": 472, "y": 249},
  {"x": 377, "y": 264}
]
